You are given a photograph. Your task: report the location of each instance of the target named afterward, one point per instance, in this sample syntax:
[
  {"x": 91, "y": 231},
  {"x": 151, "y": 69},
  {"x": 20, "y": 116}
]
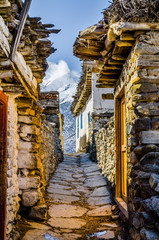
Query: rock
[
  {"x": 109, "y": 235},
  {"x": 142, "y": 124},
  {"x": 138, "y": 221},
  {"x": 148, "y": 234},
  {"x": 38, "y": 234},
  {"x": 97, "y": 201},
  {"x": 38, "y": 212},
  {"x": 69, "y": 223},
  {"x": 63, "y": 198},
  {"x": 100, "y": 211},
  {"x": 27, "y": 160},
  {"x": 155, "y": 123},
  {"x": 148, "y": 109},
  {"x": 155, "y": 204},
  {"x": 111, "y": 225},
  {"x": 71, "y": 236},
  {"x": 16, "y": 236},
  {"x": 150, "y": 158},
  {"x": 154, "y": 181},
  {"x": 99, "y": 192},
  {"x": 95, "y": 183},
  {"x": 36, "y": 225},
  {"x": 150, "y": 137},
  {"x": 28, "y": 182},
  {"x": 140, "y": 150},
  {"x": 30, "y": 198},
  {"x": 67, "y": 211}
]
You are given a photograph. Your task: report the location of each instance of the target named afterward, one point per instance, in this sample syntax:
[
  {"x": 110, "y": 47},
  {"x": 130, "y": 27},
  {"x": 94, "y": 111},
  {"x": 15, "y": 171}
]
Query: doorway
[
  {"x": 3, "y": 163},
  {"x": 121, "y": 154}
]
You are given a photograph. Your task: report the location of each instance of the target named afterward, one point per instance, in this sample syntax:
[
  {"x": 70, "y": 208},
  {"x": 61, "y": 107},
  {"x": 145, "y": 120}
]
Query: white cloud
[{"x": 59, "y": 75}]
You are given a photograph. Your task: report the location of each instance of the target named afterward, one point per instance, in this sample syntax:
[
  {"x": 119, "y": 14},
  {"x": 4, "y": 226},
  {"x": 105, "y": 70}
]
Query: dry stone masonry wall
[
  {"x": 102, "y": 144},
  {"x": 12, "y": 168},
  {"x": 141, "y": 81}
]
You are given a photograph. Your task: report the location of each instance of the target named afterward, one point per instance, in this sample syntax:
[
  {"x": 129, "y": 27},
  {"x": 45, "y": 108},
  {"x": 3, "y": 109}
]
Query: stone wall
[
  {"x": 140, "y": 80},
  {"x": 34, "y": 151},
  {"x": 105, "y": 150},
  {"x": 12, "y": 152},
  {"x": 51, "y": 149},
  {"x": 102, "y": 144}
]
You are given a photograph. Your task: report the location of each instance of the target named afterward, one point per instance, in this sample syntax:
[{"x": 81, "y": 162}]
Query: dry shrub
[{"x": 132, "y": 11}]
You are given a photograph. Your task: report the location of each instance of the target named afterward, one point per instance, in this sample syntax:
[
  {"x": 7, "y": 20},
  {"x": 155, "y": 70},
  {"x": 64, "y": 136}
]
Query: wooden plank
[
  {"x": 119, "y": 57},
  {"x": 114, "y": 62},
  {"x": 19, "y": 30},
  {"x": 120, "y": 43}
]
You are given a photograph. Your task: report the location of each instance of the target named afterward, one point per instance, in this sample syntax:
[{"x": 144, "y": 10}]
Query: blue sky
[{"x": 71, "y": 16}]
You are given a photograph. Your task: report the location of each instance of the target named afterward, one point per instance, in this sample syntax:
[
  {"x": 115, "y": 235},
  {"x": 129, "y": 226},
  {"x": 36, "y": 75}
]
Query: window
[
  {"x": 78, "y": 127},
  {"x": 88, "y": 118},
  {"x": 81, "y": 120}
]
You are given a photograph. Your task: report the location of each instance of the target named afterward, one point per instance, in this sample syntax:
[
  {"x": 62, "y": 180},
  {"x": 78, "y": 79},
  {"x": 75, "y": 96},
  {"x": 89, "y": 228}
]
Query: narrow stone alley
[{"x": 79, "y": 205}]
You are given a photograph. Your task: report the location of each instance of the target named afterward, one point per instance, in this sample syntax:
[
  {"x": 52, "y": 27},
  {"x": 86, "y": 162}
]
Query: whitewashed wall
[
  {"x": 84, "y": 131},
  {"x": 96, "y": 105},
  {"x": 100, "y": 105}
]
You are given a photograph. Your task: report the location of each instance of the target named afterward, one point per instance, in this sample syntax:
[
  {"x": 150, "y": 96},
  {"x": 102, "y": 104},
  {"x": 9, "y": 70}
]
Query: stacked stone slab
[{"x": 103, "y": 150}]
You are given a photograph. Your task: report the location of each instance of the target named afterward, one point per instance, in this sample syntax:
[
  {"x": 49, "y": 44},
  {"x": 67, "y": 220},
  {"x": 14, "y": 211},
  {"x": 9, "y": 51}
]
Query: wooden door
[
  {"x": 123, "y": 153},
  {"x": 3, "y": 163}
]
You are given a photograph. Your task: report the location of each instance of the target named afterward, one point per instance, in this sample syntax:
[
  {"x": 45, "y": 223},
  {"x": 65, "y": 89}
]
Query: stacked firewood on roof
[{"x": 34, "y": 45}]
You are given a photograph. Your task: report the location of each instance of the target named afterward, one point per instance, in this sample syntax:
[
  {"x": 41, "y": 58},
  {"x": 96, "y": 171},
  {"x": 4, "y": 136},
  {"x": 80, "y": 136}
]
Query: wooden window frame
[
  {"x": 77, "y": 127},
  {"x": 3, "y": 163},
  {"x": 118, "y": 187},
  {"x": 81, "y": 120}
]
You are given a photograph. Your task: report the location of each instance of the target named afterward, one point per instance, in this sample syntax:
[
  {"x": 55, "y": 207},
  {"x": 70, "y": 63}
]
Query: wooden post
[{"x": 3, "y": 162}]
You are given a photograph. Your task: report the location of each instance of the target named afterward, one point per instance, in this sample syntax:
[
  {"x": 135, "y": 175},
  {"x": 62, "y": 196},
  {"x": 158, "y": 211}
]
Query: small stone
[
  {"x": 97, "y": 201},
  {"x": 148, "y": 234},
  {"x": 38, "y": 212},
  {"x": 154, "y": 181},
  {"x": 100, "y": 211},
  {"x": 25, "y": 172},
  {"x": 115, "y": 217},
  {"x": 16, "y": 236},
  {"x": 66, "y": 211},
  {"x": 30, "y": 198},
  {"x": 69, "y": 223},
  {"x": 155, "y": 204},
  {"x": 28, "y": 182},
  {"x": 142, "y": 124}
]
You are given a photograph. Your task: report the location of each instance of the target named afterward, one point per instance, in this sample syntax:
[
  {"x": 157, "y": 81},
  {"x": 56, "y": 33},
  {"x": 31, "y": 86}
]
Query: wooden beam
[
  {"x": 105, "y": 86},
  {"x": 119, "y": 57},
  {"x": 114, "y": 62},
  {"x": 103, "y": 81},
  {"x": 120, "y": 43},
  {"x": 127, "y": 36},
  {"x": 107, "y": 96},
  {"x": 19, "y": 29}
]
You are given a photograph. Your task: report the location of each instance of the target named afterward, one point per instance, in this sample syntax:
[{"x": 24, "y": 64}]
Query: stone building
[
  {"x": 29, "y": 144},
  {"x": 125, "y": 50},
  {"x": 88, "y": 104}
]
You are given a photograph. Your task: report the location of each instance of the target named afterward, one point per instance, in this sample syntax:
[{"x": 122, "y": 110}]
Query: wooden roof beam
[{"x": 116, "y": 29}]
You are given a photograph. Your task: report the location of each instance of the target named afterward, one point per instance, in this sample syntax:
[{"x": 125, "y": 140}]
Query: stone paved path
[{"x": 79, "y": 204}]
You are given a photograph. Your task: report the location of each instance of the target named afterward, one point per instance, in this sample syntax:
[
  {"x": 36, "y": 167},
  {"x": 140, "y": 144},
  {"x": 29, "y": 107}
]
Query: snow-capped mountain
[{"x": 60, "y": 78}]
